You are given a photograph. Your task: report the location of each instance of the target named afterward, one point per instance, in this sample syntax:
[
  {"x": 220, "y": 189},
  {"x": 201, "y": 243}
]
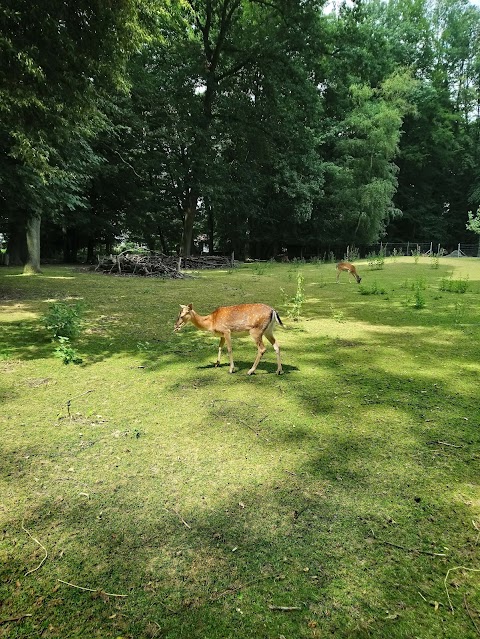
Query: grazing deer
[
  {"x": 256, "y": 319},
  {"x": 346, "y": 266}
]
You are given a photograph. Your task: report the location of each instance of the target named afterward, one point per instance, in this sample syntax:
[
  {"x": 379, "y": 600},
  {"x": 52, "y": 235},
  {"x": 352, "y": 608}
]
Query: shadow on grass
[{"x": 316, "y": 540}]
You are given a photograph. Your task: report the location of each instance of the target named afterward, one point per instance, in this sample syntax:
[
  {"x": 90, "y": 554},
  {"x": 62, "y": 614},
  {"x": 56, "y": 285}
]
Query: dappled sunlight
[
  {"x": 149, "y": 472},
  {"x": 16, "y": 312},
  {"x": 41, "y": 276}
]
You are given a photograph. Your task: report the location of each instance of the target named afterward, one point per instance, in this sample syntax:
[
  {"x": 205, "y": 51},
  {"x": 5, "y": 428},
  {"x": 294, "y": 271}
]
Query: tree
[{"x": 57, "y": 59}]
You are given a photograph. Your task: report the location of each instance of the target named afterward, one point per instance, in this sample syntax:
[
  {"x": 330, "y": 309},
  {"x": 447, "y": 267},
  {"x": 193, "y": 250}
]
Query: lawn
[{"x": 146, "y": 493}]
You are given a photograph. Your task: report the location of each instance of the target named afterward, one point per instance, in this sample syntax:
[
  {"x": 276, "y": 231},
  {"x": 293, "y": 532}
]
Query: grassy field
[{"x": 145, "y": 493}]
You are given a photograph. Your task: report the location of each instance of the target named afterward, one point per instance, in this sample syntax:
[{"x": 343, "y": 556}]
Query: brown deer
[
  {"x": 346, "y": 266},
  {"x": 256, "y": 319}
]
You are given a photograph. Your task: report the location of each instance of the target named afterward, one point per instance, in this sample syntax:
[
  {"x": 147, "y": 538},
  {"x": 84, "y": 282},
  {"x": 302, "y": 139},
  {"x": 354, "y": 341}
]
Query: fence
[
  {"x": 332, "y": 252},
  {"x": 427, "y": 248}
]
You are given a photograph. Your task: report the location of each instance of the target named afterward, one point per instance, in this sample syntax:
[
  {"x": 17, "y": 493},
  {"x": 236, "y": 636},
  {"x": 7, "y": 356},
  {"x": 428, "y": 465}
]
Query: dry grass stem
[
  {"x": 445, "y": 581},
  {"x": 109, "y": 594},
  {"x": 41, "y": 546}
]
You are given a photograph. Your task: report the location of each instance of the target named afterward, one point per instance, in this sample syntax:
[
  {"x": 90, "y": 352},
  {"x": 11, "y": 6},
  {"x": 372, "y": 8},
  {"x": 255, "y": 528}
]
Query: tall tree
[{"x": 57, "y": 57}]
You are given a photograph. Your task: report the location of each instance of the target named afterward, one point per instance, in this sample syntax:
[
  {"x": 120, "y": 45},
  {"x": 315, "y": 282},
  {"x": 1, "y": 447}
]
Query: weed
[
  {"x": 454, "y": 286},
  {"x": 64, "y": 320},
  {"x": 376, "y": 261},
  {"x": 416, "y": 253},
  {"x": 374, "y": 289},
  {"x": 352, "y": 254},
  {"x": 338, "y": 315},
  {"x": 66, "y": 352},
  {"x": 435, "y": 261},
  {"x": 396, "y": 253},
  {"x": 297, "y": 301},
  {"x": 418, "y": 295},
  {"x": 459, "y": 312}
]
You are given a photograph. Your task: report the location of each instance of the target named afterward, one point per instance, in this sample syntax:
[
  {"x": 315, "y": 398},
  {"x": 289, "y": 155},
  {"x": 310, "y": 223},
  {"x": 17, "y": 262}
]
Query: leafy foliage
[{"x": 64, "y": 320}]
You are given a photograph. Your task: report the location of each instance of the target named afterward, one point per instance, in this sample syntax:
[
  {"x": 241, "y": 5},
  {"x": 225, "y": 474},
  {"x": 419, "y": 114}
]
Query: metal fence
[
  {"x": 332, "y": 252},
  {"x": 426, "y": 248}
]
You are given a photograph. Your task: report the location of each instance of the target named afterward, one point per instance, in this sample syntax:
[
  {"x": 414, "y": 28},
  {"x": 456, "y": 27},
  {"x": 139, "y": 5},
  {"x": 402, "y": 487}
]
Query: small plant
[
  {"x": 297, "y": 301},
  {"x": 454, "y": 286},
  {"x": 459, "y": 313},
  {"x": 259, "y": 268},
  {"x": 352, "y": 254},
  {"x": 299, "y": 298},
  {"x": 416, "y": 254},
  {"x": 338, "y": 315},
  {"x": 396, "y": 253},
  {"x": 374, "y": 289},
  {"x": 376, "y": 262},
  {"x": 418, "y": 295},
  {"x": 64, "y": 320},
  {"x": 66, "y": 352},
  {"x": 435, "y": 260}
]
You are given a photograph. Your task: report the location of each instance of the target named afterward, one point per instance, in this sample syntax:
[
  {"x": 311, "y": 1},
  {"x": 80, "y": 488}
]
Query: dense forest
[{"x": 254, "y": 125}]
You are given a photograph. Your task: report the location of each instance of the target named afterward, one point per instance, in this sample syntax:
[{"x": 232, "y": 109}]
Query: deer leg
[
  {"x": 338, "y": 275},
  {"x": 222, "y": 342},
  {"x": 276, "y": 348},
  {"x": 257, "y": 337},
  {"x": 228, "y": 340}
]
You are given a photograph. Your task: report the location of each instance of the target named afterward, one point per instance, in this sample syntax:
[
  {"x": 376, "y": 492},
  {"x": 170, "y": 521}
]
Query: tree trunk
[
  {"x": 189, "y": 211},
  {"x": 90, "y": 250},
  {"x": 211, "y": 226},
  {"x": 17, "y": 244},
  {"x": 33, "y": 245}
]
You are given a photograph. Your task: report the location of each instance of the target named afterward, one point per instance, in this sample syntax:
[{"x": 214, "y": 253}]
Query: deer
[
  {"x": 257, "y": 319},
  {"x": 346, "y": 266}
]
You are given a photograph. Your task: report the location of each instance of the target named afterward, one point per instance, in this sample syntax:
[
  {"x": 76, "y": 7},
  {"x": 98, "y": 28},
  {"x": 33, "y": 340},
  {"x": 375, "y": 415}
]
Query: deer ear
[{"x": 190, "y": 306}]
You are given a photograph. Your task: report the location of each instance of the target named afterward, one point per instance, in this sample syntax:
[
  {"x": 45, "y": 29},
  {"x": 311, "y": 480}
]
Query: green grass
[{"x": 346, "y": 489}]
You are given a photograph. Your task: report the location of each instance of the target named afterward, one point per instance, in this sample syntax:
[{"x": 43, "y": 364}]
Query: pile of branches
[
  {"x": 157, "y": 265},
  {"x": 196, "y": 262}
]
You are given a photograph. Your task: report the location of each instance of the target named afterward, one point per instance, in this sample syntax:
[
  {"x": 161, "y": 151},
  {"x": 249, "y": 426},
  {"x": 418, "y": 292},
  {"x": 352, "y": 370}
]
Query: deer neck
[{"x": 203, "y": 322}]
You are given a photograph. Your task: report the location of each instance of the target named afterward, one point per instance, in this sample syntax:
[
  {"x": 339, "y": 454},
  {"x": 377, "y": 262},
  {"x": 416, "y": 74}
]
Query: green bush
[
  {"x": 374, "y": 289},
  {"x": 64, "y": 320},
  {"x": 454, "y": 286},
  {"x": 66, "y": 352}
]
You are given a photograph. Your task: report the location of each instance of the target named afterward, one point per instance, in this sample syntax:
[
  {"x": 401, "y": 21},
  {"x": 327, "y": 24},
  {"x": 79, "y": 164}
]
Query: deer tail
[{"x": 276, "y": 316}]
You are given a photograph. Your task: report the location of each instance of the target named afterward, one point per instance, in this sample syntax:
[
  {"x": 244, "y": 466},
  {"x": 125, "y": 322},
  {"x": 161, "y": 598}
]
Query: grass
[{"x": 346, "y": 490}]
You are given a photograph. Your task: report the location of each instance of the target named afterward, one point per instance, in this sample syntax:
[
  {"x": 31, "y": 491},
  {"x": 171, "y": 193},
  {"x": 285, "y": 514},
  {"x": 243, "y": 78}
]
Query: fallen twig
[
  {"x": 109, "y": 594},
  {"x": 446, "y": 577},
  {"x": 445, "y": 444},
  {"x": 180, "y": 517},
  {"x": 19, "y": 618},
  {"x": 72, "y": 398},
  {"x": 423, "y": 552},
  {"x": 285, "y": 608},
  {"x": 41, "y": 546}
]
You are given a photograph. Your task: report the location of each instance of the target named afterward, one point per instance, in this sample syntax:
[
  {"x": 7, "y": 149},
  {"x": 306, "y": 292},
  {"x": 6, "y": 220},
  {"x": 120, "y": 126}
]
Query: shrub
[
  {"x": 454, "y": 286},
  {"x": 64, "y": 320},
  {"x": 374, "y": 289},
  {"x": 66, "y": 352},
  {"x": 376, "y": 262}
]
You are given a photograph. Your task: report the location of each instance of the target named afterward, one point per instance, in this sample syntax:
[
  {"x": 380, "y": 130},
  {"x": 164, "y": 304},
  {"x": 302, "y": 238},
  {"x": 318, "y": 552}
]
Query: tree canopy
[{"x": 255, "y": 125}]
